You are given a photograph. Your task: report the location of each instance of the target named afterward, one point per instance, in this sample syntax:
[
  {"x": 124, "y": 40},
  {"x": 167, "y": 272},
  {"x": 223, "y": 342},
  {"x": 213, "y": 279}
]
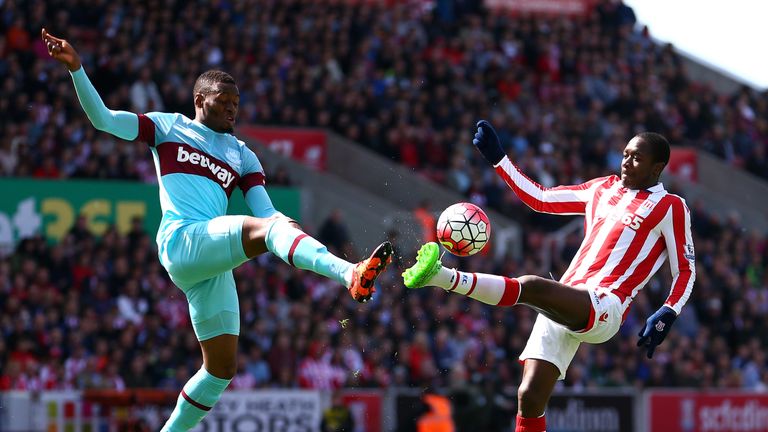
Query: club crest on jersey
[
  {"x": 233, "y": 153},
  {"x": 647, "y": 205},
  {"x": 598, "y": 297}
]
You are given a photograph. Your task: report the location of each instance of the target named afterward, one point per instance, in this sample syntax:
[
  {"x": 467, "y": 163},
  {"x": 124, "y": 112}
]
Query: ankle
[{"x": 445, "y": 278}]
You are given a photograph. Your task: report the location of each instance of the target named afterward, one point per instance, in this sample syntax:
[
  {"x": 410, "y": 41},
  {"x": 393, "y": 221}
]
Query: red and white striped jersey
[{"x": 628, "y": 233}]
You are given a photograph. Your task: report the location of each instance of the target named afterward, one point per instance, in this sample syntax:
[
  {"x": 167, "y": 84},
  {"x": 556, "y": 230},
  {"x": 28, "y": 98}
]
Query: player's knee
[
  {"x": 224, "y": 369},
  {"x": 255, "y": 229},
  {"x": 230, "y": 370},
  {"x": 254, "y": 236},
  {"x": 530, "y": 281},
  {"x": 530, "y": 399}
]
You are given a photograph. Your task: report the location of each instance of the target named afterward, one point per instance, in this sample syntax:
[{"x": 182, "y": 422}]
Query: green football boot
[{"x": 426, "y": 267}]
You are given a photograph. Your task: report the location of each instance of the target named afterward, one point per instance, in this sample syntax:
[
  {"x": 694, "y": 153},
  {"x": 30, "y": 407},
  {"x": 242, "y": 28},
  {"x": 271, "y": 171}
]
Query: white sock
[
  {"x": 489, "y": 289},
  {"x": 444, "y": 278},
  {"x": 302, "y": 251}
]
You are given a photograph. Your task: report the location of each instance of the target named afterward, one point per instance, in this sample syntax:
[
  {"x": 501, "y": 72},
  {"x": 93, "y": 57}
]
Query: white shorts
[{"x": 557, "y": 344}]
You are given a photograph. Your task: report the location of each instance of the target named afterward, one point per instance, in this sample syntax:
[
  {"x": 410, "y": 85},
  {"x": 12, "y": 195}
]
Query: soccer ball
[{"x": 463, "y": 229}]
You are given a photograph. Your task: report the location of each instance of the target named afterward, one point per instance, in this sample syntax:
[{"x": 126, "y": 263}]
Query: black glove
[
  {"x": 487, "y": 141},
  {"x": 656, "y": 328}
]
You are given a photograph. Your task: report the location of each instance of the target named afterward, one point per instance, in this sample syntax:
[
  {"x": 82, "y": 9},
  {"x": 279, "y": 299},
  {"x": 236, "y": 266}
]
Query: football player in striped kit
[
  {"x": 632, "y": 226},
  {"x": 199, "y": 163}
]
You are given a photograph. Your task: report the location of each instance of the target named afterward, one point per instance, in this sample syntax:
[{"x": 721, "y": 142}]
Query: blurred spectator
[
  {"x": 13, "y": 378},
  {"x": 426, "y": 220},
  {"x": 282, "y": 358},
  {"x": 138, "y": 376},
  {"x": 243, "y": 380},
  {"x": 145, "y": 97},
  {"x": 280, "y": 177},
  {"x": 318, "y": 370},
  {"x": 257, "y": 367},
  {"x": 470, "y": 408},
  {"x": 439, "y": 416},
  {"x": 132, "y": 307},
  {"x": 337, "y": 417},
  {"x": 334, "y": 233}
]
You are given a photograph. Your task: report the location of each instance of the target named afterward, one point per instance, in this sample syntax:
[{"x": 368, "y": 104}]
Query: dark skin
[
  {"x": 639, "y": 169},
  {"x": 567, "y": 305},
  {"x": 61, "y": 50},
  {"x": 216, "y": 109}
]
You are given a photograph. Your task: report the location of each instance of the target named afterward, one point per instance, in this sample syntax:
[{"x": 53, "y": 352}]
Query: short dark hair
[
  {"x": 658, "y": 144},
  {"x": 205, "y": 82}
]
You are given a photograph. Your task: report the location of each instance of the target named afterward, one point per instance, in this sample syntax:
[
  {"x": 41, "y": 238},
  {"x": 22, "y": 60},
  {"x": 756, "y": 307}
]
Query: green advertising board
[{"x": 50, "y": 207}]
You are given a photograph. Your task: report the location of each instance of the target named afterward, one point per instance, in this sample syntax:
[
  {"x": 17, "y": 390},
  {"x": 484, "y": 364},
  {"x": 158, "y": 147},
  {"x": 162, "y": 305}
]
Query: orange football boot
[{"x": 365, "y": 272}]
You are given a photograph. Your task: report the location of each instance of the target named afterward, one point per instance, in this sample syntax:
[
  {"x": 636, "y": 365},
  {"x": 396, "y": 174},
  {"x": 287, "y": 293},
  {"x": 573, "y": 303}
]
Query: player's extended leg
[
  {"x": 563, "y": 304},
  {"x": 214, "y": 312},
  {"x": 566, "y": 305},
  {"x": 282, "y": 237},
  {"x": 538, "y": 381}
]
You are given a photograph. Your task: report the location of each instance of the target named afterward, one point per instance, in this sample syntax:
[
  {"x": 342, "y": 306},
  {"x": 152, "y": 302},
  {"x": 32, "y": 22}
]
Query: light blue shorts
[{"x": 199, "y": 258}]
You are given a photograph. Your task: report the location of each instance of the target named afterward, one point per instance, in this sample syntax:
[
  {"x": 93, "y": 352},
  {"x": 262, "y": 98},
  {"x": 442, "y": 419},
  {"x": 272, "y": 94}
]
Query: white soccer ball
[{"x": 463, "y": 229}]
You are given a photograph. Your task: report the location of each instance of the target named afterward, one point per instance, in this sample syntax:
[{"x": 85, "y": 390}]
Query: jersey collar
[
  {"x": 658, "y": 187},
  {"x": 202, "y": 126}
]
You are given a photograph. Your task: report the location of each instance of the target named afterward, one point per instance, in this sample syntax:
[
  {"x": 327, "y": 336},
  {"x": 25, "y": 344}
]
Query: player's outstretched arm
[
  {"x": 676, "y": 229},
  {"x": 122, "y": 124},
  {"x": 556, "y": 200}
]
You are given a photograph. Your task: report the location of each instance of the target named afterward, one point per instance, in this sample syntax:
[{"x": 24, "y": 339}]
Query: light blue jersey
[{"x": 197, "y": 169}]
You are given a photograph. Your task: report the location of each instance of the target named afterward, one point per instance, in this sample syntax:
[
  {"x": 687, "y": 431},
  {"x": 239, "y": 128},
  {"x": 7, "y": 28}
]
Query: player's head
[
  {"x": 645, "y": 157},
  {"x": 216, "y": 100}
]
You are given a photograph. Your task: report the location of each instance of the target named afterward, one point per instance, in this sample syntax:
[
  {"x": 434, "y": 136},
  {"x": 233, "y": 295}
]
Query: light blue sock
[
  {"x": 302, "y": 251},
  {"x": 202, "y": 391}
]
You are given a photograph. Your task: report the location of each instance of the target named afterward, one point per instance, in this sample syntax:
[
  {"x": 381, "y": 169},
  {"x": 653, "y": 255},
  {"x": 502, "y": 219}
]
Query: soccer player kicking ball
[
  {"x": 199, "y": 163},
  {"x": 632, "y": 225}
]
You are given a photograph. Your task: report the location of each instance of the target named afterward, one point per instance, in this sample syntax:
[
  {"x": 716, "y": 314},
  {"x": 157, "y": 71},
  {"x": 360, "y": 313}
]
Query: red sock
[
  {"x": 535, "y": 424},
  {"x": 511, "y": 292}
]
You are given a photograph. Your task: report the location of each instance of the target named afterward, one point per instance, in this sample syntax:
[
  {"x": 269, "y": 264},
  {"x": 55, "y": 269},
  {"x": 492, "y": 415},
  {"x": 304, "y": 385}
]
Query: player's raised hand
[
  {"x": 487, "y": 141},
  {"x": 656, "y": 328},
  {"x": 61, "y": 50}
]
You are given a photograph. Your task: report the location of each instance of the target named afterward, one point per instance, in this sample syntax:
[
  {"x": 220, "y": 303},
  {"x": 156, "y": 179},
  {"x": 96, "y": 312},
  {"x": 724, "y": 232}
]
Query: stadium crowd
[
  {"x": 403, "y": 79},
  {"x": 408, "y": 83},
  {"x": 101, "y": 313}
]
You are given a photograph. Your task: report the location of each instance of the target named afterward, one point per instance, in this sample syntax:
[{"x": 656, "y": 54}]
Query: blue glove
[
  {"x": 656, "y": 328},
  {"x": 487, "y": 141}
]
